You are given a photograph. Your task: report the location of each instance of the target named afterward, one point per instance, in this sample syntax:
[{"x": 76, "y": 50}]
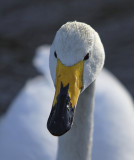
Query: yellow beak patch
[{"x": 72, "y": 75}]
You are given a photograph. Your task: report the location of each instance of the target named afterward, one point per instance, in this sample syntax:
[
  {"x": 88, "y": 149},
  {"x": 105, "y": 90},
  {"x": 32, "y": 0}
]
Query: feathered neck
[{"x": 77, "y": 143}]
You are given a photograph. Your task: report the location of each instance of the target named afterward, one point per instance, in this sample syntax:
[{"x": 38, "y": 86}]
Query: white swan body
[{"x": 23, "y": 133}]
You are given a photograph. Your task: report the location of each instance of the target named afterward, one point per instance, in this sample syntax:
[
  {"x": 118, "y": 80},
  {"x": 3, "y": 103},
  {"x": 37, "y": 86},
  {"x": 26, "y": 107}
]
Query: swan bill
[
  {"x": 62, "y": 113},
  {"x": 68, "y": 86}
]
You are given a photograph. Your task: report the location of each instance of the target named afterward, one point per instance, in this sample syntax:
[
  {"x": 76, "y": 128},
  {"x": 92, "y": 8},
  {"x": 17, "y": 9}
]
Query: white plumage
[{"x": 23, "y": 132}]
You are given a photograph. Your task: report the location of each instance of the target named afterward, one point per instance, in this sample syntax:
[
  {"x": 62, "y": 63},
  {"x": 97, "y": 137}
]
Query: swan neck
[{"x": 77, "y": 143}]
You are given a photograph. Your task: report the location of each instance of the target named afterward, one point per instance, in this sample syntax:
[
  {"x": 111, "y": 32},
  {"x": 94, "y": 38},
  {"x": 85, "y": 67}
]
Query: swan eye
[
  {"x": 86, "y": 57},
  {"x": 55, "y": 54}
]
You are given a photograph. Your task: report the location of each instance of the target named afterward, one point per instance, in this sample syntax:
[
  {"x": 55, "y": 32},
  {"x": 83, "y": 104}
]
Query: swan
[{"x": 23, "y": 134}]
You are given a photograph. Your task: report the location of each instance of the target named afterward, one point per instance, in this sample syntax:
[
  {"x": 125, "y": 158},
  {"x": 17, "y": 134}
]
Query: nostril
[{"x": 59, "y": 75}]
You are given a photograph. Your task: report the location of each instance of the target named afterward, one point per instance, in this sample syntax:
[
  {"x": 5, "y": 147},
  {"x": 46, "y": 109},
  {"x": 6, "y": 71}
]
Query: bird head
[{"x": 76, "y": 58}]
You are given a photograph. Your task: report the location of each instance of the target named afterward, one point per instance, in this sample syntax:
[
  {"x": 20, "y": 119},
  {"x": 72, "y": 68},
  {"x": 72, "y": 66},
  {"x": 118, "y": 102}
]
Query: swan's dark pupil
[
  {"x": 86, "y": 57},
  {"x": 55, "y": 54}
]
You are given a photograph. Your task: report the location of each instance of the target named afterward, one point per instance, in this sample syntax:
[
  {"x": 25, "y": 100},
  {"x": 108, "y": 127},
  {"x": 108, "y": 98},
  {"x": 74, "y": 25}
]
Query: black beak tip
[
  {"x": 58, "y": 129},
  {"x": 59, "y": 124},
  {"x": 62, "y": 113}
]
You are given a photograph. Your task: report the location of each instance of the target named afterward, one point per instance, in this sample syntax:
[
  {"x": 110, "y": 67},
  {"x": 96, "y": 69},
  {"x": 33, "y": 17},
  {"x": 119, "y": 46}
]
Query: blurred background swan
[{"x": 23, "y": 131}]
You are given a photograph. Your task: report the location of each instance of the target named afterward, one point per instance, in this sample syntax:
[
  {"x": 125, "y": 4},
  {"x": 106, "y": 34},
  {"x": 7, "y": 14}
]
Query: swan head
[{"x": 76, "y": 58}]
